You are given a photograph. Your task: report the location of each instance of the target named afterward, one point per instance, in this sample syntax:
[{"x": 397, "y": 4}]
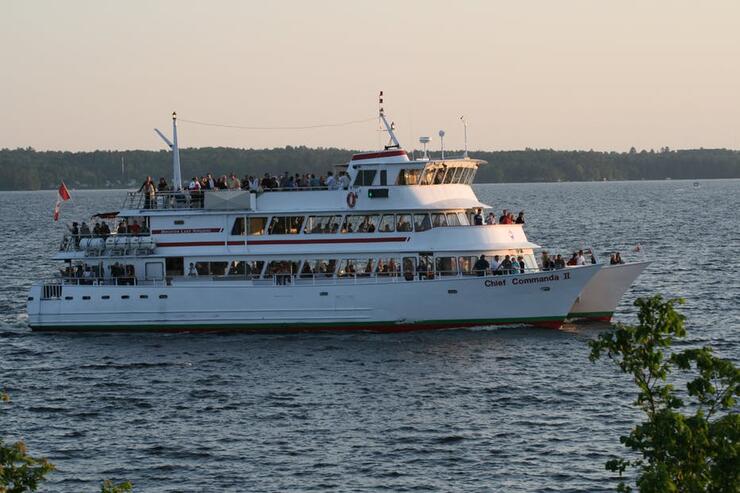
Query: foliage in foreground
[
  {"x": 19, "y": 472},
  {"x": 689, "y": 440}
]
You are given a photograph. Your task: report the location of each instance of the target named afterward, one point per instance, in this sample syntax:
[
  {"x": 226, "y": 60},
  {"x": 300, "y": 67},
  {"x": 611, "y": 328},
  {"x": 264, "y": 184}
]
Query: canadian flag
[{"x": 63, "y": 195}]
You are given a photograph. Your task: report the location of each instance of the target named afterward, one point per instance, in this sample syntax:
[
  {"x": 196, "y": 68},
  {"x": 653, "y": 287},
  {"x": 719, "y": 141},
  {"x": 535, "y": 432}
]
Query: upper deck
[{"x": 378, "y": 181}]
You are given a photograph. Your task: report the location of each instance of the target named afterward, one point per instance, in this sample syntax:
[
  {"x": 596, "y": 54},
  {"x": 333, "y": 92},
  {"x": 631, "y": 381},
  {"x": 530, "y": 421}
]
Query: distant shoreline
[{"x": 28, "y": 169}]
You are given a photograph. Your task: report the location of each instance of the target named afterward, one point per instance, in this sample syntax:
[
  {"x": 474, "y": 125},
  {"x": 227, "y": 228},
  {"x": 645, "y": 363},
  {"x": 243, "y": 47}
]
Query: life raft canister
[{"x": 352, "y": 199}]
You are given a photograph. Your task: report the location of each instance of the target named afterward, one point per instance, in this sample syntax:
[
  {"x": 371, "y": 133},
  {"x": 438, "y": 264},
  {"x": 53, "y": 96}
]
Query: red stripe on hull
[
  {"x": 378, "y": 155},
  {"x": 394, "y": 239}
]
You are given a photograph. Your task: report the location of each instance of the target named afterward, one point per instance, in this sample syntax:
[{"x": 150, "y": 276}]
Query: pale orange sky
[{"x": 84, "y": 75}]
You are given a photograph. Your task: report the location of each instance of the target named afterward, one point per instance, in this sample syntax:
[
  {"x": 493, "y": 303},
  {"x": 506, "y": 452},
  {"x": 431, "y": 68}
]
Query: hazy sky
[{"x": 607, "y": 75}]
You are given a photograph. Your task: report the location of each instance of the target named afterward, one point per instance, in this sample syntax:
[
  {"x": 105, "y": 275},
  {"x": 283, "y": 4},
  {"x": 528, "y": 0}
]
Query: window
[
  {"x": 281, "y": 268},
  {"x": 383, "y": 177},
  {"x": 421, "y": 222},
  {"x": 162, "y": 296},
  {"x": 153, "y": 270},
  {"x": 85, "y": 297},
  {"x": 318, "y": 268},
  {"x": 244, "y": 268},
  {"x": 409, "y": 177},
  {"x": 105, "y": 297},
  {"x": 143, "y": 296},
  {"x": 446, "y": 266},
  {"x": 466, "y": 265},
  {"x": 360, "y": 223},
  {"x": 174, "y": 266},
  {"x": 388, "y": 266},
  {"x": 409, "y": 268},
  {"x": 450, "y": 175},
  {"x": 361, "y": 267},
  {"x": 322, "y": 224},
  {"x": 463, "y": 218},
  {"x": 239, "y": 228},
  {"x": 365, "y": 177},
  {"x": 286, "y": 225},
  {"x": 403, "y": 222},
  {"x": 125, "y": 297},
  {"x": 439, "y": 219},
  {"x": 427, "y": 177},
  {"x": 218, "y": 268},
  {"x": 256, "y": 226},
  {"x": 453, "y": 219},
  {"x": 387, "y": 224}
]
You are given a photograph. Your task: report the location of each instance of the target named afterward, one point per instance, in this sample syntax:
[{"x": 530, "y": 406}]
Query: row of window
[
  {"x": 351, "y": 223},
  {"x": 107, "y": 297},
  {"x": 436, "y": 176},
  {"x": 331, "y": 267}
]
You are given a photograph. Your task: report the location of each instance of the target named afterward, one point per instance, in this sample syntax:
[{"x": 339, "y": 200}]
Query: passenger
[
  {"x": 593, "y": 259},
  {"x": 502, "y": 219},
  {"x": 481, "y": 266},
  {"x": 573, "y": 260},
  {"x": 618, "y": 258},
  {"x": 96, "y": 230},
  {"x": 254, "y": 184},
  {"x": 104, "y": 230},
  {"x": 547, "y": 264},
  {"x": 491, "y": 218},
  {"x": 84, "y": 230},
  {"x": 478, "y": 218},
  {"x": 522, "y": 266},
  {"x": 613, "y": 259},
  {"x": 210, "y": 184},
  {"x": 580, "y": 259},
  {"x": 392, "y": 267},
  {"x": 162, "y": 186},
  {"x": 134, "y": 228},
  {"x": 122, "y": 228},
  {"x": 507, "y": 266},
  {"x": 234, "y": 182},
  {"x": 559, "y": 262},
  {"x": 496, "y": 265},
  {"x": 344, "y": 180},
  {"x": 331, "y": 183},
  {"x": 520, "y": 218},
  {"x": 315, "y": 181}
]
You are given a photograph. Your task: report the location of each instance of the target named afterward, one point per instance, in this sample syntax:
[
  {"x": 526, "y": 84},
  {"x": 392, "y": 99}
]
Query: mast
[
  {"x": 176, "y": 174},
  {"x": 389, "y": 127}
]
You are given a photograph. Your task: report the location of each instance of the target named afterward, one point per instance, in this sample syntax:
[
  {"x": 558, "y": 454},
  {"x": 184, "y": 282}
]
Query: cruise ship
[{"x": 394, "y": 249}]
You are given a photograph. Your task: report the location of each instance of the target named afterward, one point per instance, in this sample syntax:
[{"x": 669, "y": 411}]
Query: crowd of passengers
[
  {"x": 121, "y": 274},
  {"x": 286, "y": 181},
  {"x": 507, "y": 217},
  {"x": 102, "y": 230}
]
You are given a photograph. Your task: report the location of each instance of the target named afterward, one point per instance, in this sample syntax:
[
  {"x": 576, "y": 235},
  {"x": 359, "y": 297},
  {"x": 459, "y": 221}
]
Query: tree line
[{"x": 28, "y": 169}]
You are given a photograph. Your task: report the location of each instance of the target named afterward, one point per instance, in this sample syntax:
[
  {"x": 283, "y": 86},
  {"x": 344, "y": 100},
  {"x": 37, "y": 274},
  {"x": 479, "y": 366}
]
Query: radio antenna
[{"x": 389, "y": 127}]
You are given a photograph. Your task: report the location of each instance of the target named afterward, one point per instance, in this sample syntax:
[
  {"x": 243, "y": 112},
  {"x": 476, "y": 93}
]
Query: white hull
[
  {"x": 376, "y": 303},
  {"x": 601, "y": 295}
]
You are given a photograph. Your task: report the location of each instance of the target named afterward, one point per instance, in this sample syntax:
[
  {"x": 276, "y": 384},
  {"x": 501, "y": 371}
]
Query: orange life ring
[{"x": 352, "y": 200}]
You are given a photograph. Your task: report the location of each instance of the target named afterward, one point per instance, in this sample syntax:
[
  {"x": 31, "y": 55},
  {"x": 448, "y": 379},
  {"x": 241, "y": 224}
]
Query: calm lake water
[{"x": 487, "y": 409}]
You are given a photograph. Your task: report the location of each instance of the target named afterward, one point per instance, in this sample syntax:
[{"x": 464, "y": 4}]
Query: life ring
[{"x": 352, "y": 200}]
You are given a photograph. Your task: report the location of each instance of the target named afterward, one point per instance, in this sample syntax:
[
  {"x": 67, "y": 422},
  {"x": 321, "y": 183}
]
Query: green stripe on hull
[
  {"x": 590, "y": 314},
  {"x": 276, "y": 327}
]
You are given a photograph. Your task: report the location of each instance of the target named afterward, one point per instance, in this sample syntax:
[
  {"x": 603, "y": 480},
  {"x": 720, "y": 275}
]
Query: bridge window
[
  {"x": 439, "y": 220},
  {"x": 408, "y": 177},
  {"x": 256, "y": 226},
  {"x": 365, "y": 177},
  {"x": 322, "y": 224}
]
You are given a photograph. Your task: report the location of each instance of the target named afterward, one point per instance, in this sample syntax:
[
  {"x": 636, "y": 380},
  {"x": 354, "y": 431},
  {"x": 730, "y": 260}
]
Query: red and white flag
[
  {"x": 62, "y": 196},
  {"x": 64, "y": 192}
]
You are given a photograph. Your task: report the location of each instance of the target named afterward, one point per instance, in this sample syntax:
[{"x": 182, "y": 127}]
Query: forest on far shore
[{"x": 28, "y": 169}]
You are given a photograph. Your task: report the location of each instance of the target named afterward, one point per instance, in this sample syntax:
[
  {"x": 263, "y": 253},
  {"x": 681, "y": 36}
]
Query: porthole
[
  {"x": 85, "y": 297},
  {"x": 143, "y": 296},
  {"x": 30, "y": 298},
  {"x": 125, "y": 297},
  {"x": 68, "y": 298},
  {"x": 105, "y": 297},
  {"x": 452, "y": 291},
  {"x": 162, "y": 296}
]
